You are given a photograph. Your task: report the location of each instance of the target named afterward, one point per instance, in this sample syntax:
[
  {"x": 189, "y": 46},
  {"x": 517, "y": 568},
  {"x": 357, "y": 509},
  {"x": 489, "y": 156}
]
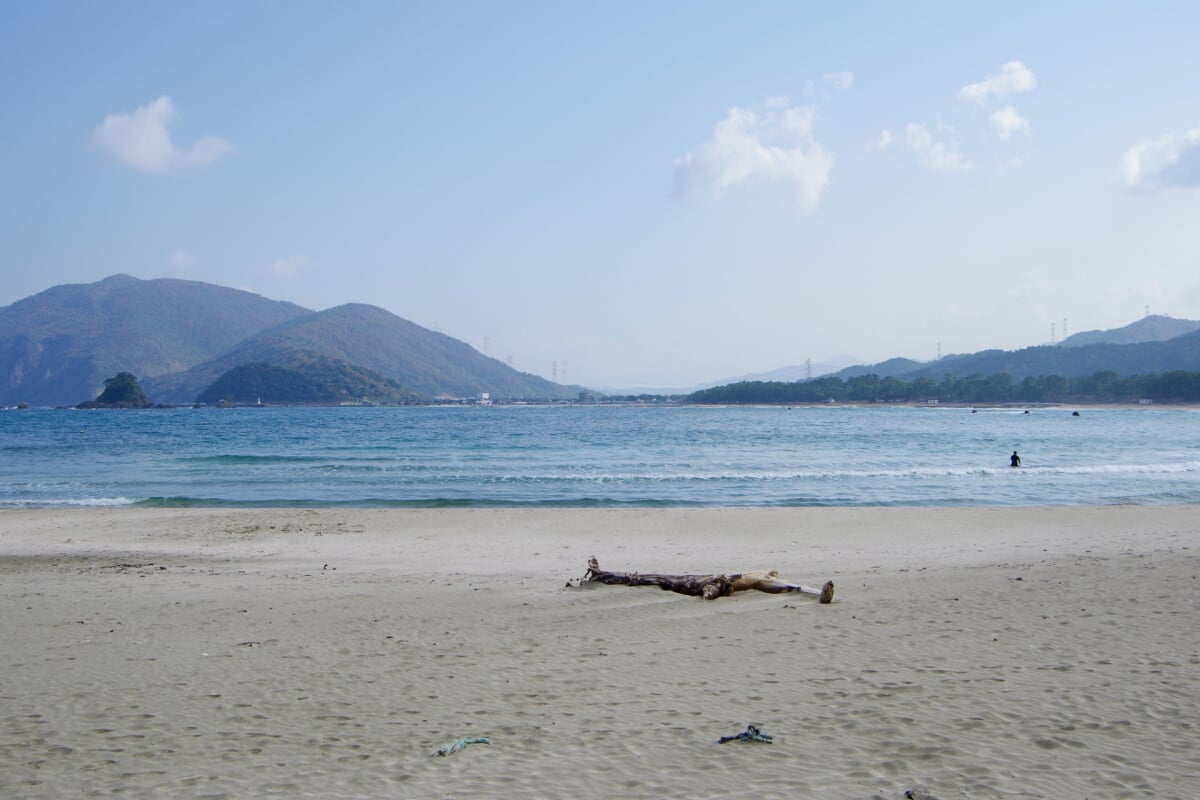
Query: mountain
[
  {"x": 415, "y": 358},
  {"x": 793, "y": 372},
  {"x": 891, "y": 368},
  {"x": 1152, "y": 328},
  {"x": 1143, "y": 347},
  {"x": 796, "y": 372},
  {"x": 59, "y": 346},
  {"x": 1143, "y": 358},
  {"x": 177, "y": 337}
]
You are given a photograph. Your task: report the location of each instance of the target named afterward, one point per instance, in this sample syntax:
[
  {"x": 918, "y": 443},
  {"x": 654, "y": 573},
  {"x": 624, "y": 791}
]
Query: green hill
[{"x": 322, "y": 381}]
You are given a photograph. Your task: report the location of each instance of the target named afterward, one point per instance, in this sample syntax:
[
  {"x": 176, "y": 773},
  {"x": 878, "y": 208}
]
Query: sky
[{"x": 617, "y": 194}]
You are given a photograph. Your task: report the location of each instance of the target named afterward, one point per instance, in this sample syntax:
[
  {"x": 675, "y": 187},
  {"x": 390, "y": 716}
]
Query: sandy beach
[{"x": 969, "y": 653}]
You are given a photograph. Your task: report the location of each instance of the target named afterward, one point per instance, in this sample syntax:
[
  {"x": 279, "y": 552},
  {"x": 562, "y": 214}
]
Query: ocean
[{"x": 597, "y": 456}]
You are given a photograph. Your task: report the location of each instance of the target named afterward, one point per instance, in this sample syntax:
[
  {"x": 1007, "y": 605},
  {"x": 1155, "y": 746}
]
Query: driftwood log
[{"x": 710, "y": 587}]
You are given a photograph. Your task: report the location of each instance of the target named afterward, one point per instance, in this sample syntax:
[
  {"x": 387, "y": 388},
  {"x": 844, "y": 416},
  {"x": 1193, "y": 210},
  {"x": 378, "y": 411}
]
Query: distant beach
[{"x": 327, "y": 653}]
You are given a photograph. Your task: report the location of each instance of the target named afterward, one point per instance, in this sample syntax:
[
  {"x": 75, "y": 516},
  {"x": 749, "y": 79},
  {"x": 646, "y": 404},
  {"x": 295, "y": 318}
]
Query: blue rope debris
[
  {"x": 454, "y": 747},
  {"x": 751, "y": 734}
]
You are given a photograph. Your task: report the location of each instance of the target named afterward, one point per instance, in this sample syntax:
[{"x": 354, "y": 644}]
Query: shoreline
[
  {"x": 824, "y": 535},
  {"x": 666, "y": 400},
  {"x": 1046, "y": 652}
]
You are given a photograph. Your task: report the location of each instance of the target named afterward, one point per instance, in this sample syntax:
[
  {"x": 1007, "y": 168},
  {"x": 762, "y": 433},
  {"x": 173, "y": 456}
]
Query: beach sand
[{"x": 970, "y": 653}]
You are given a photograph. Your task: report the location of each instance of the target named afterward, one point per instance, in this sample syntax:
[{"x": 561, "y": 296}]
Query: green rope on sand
[
  {"x": 454, "y": 747},
  {"x": 751, "y": 734}
]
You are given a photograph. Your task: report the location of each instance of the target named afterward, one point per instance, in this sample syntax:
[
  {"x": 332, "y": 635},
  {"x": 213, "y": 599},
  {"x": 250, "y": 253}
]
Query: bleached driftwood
[{"x": 710, "y": 587}]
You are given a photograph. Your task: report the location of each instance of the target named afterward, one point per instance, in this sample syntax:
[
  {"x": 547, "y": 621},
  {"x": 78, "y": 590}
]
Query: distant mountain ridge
[
  {"x": 178, "y": 337},
  {"x": 59, "y": 346},
  {"x": 418, "y": 360},
  {"x": 1151, "y": 328},
  {"x": 893, "y": 367},
  {"x": 1137, "y": 348},
  {"x": 797, "y": 372}
]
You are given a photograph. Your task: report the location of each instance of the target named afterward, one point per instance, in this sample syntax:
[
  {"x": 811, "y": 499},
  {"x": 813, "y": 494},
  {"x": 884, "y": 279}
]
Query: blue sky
[{"x": 621, "y": 194}]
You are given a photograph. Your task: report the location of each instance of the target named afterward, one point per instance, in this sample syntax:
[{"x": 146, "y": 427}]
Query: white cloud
[
  {"x": 937, "y": 154},
  {"x": 941, "y": 155},
  {"x": 1166, "y": 162},
  {"x": 1013, "y": 78},
  {"x": 883, "y": 141},
  {"x": 830, "y": 82},
  {"x": 142, "y": 139},
  {"x": 776, "y": 144},
  {"x": 290, "y": 266},
  {"x": 838, "y": 80},
  {"x": 1006, "y": 121}
]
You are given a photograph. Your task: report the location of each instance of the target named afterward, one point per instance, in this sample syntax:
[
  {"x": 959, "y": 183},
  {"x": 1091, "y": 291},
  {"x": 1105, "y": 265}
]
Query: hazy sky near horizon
[{"x": 621, "y": 194}]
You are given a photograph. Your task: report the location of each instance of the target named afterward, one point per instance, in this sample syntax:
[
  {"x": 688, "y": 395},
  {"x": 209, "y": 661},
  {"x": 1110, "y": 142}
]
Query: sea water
[{"x": 587, "y": 455}]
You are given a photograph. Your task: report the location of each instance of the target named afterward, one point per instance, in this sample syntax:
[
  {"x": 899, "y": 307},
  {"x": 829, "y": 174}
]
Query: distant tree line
[
  {"x": 643, "y": 399},
  {"x": 1102, "y": 387}
]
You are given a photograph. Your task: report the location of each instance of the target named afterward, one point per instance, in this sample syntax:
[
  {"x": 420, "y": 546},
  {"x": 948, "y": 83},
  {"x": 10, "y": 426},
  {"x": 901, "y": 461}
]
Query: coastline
[{"x": 974, "y": 652}]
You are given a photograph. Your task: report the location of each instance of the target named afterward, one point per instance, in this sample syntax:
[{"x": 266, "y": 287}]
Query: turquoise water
[{"x": 597, "y": 456}]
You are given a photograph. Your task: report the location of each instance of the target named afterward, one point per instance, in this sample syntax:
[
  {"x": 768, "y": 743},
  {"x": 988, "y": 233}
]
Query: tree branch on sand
[{"x": 710, "y": 587}]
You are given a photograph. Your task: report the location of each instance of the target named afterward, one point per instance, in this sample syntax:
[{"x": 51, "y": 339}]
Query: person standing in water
[{"x": 1015, "y": 459}]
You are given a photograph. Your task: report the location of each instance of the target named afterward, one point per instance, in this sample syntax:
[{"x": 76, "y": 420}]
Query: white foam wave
[
  {"x": 851, "y": 474},
  {"x": 71, "y": 502}
]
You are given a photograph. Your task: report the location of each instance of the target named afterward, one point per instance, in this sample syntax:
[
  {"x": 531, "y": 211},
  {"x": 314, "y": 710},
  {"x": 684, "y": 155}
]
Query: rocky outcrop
[{"x": 120, "y": 391}]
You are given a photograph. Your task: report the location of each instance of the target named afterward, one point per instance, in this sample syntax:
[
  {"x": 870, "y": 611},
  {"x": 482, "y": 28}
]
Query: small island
[{"x": 120, "y": 391}]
